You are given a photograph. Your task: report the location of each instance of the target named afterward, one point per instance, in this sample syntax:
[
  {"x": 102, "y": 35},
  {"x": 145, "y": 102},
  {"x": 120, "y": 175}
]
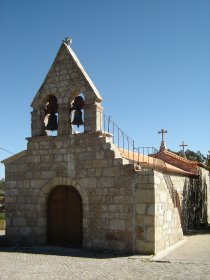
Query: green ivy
[
  {"x": 2, "y": 216},
  {"x": 195, "y": 203}
]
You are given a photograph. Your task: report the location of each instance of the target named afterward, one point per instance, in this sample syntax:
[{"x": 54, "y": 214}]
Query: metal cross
[
  {"x": 162, "y": 132},
  {"x": 183, "y": 145}
]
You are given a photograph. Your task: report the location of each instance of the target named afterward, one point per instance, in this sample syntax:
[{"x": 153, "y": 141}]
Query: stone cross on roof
[
  {"x": 162, "y": 146},
  {"x": 183, "y": 145},
  {"x": 68, "y": 41}
]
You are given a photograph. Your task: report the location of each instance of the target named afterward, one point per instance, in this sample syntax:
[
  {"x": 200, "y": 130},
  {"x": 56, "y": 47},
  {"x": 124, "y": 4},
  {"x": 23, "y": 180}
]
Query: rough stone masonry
[{"x": 121, "y": 207}]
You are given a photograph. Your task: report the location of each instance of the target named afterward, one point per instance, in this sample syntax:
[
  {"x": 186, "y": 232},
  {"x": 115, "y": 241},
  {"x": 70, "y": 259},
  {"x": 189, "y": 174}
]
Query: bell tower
[{"x": 66, "y": 98}]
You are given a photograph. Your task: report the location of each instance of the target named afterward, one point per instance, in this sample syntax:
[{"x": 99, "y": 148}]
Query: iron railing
[
  {"x": 146, "y": 159},
  {"x": 142, "y": 156},
  {"x": 139, "y": 156},
  {"x": 117, "y": 136}
]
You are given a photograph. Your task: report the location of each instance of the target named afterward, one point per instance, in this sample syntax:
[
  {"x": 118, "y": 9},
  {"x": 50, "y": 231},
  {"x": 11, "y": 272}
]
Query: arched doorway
[{"x": 64, "y": 217}]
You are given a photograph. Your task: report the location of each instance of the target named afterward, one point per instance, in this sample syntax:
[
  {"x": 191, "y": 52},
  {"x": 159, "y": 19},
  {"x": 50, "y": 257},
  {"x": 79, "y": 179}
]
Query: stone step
[
  {"x": 107, "y": 144},
  {"x": 121, "y": 161}
]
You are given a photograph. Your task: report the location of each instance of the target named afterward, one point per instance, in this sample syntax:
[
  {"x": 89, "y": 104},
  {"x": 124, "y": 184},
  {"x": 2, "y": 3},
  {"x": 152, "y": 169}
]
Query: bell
[
  {"x": 77, "y": 118},
  {"x": 78, "y": 103},
  {"x": 52, "y": 122},
  {"x": 52, "y": 105}
]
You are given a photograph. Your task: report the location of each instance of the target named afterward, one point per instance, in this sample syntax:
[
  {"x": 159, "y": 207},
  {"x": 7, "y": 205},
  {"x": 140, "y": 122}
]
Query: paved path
[
  {"x": 191, "y": 261},
  {"x": 195, "y": 250}
]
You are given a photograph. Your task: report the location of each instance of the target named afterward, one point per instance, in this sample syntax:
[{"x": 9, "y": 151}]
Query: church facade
[{"x": 81, "y": 189}]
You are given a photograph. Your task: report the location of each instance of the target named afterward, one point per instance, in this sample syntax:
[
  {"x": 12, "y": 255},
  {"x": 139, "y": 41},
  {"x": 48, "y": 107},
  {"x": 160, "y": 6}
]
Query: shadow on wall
[
  {"x": 194, "y": 204},
  {"x": 177, "y": 204}
]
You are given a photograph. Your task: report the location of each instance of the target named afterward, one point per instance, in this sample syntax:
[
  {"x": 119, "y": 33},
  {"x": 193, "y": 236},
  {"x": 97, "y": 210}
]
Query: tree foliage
[
  {"x": 208, "y": 161},
  {"x": 191, "y": 155},
  {"x": 198, "y": 156},
  {"x": 2, "y": 184}
]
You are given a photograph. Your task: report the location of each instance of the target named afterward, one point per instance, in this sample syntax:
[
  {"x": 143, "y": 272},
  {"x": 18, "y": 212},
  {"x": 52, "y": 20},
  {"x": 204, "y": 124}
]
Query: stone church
[{"x": 81, "y": 182}]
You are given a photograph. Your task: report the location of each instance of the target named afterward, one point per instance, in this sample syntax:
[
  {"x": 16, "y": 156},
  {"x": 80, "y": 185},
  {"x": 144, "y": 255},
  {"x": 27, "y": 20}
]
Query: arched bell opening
[
  {"x": 77, "y": 103},
  {"x": 51, "y": 116}
]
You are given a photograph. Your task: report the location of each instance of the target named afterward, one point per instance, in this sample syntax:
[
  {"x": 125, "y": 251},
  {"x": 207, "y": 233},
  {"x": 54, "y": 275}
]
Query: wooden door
[{"x": 64, "y": 217}]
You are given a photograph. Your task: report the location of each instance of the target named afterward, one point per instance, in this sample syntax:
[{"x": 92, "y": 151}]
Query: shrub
[{"x": 2, "y": 216}]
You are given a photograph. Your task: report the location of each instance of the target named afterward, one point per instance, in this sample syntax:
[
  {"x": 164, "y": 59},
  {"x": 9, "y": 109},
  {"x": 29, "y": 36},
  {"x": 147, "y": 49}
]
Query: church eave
[{"x": 14, "y": 157}]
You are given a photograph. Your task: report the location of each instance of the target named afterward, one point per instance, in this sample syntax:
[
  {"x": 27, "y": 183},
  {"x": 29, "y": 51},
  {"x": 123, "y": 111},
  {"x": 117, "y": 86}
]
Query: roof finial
[
  {"x": 183, "y": 145},
  {"x": 67, "y": 41},
  {"x": 162, "y": 146}
]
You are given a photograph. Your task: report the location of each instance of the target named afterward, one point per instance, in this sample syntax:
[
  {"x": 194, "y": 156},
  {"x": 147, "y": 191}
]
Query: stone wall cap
[
  {"x": 14, "y": 157},
  {"x": 83, "y": 71}
]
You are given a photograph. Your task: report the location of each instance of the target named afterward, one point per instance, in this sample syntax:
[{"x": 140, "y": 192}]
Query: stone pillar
[
  {"x": 64, "y": 122},
  {"x": 93, "y": 117},
  {"x": 37, "y": 122}
]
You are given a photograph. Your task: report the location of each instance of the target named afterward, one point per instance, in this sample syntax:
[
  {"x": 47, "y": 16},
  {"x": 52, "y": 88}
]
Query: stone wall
[
  {"x": 158, "y": 224},
  {"x": 123, "y": 209},
  {"x": 168, "y": 228},
  {"x": 65, "y": 80},
  {"x": 87, "y": 162},
  {"x": 194, "y": 199},
  {"x": 118, "y": 203},
  {"x": 205, "y": 175},
  {"x": 144, "y": 212}
]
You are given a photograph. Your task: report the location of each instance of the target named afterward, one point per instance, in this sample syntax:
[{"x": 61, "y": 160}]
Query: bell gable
[{"x": 65, "y": 81}]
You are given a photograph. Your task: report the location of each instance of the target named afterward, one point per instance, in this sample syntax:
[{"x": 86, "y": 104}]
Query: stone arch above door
[
  {"x": 43, "y": 198},
  {"x": 51, "y": 184}
]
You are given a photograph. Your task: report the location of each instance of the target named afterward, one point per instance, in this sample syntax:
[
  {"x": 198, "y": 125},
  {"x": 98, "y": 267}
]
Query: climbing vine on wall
[{"x": 195, "y": 203}]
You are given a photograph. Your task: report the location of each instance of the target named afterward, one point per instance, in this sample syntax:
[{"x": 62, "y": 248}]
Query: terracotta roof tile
[
  {"x": 177, "y": 161},
  {"x": 171, "y": 154},
  {"x": 154, "y": 163}
]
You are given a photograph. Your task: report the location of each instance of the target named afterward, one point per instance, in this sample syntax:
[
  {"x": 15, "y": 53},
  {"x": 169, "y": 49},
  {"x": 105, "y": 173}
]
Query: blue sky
[{"x": 149, "y": 59}]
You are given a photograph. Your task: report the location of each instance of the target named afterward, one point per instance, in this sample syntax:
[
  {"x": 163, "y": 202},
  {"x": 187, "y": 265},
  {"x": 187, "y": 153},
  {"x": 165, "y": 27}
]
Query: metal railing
[
  {"x": 117, "y": 136},
  {"x": 140, "y": 156},
  {"x": 146, "y": 159}
]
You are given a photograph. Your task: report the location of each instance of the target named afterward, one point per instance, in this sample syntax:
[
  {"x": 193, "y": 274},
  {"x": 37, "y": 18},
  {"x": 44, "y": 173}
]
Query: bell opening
[
  {"x": 51, "y": 116},
  {"x": 77, "y": 114}
]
